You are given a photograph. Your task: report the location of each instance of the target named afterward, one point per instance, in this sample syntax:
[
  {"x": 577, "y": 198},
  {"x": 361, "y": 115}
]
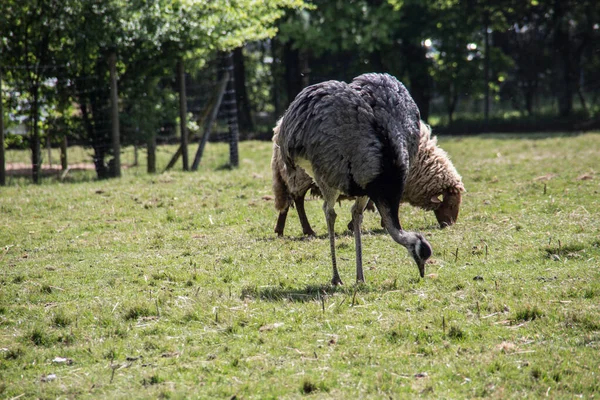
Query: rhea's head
[{"x": 420, "y": 250}]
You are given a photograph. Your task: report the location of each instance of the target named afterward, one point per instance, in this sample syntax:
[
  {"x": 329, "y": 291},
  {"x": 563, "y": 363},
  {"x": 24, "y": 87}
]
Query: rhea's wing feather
[
  {"x": 394, "y": 109},
  {"x": 332, "y": 127},
  {"x": 293, "y": 127},
  {"x": 344, "y": 150}
]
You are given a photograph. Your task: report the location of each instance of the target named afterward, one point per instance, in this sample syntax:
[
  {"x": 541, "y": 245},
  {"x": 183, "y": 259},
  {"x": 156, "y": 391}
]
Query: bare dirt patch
[{"x": 24, "y": 169}]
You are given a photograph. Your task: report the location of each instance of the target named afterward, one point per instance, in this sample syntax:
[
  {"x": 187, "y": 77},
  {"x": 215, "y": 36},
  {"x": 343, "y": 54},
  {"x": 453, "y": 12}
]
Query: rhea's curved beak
[{"x": 421, "y": 266}]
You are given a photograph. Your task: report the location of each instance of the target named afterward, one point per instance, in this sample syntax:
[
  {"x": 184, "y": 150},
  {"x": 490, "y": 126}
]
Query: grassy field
[{"x": 175, "y": 286}]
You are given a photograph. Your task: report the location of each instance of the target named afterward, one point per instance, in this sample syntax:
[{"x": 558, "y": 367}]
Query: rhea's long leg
[
  {"x": 330, "y": 216},
  {"x": 357, "y": 216}
]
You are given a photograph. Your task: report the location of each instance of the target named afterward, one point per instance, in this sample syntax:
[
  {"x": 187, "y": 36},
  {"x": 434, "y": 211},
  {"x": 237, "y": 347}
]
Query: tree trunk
[
  {"x": 2, "y": 154},
  {"x": 36, "y": 155},
  {"x": 451, "y": 106},
  {"x": 64, "y": 162},
  {"x": 275, "y": 73},
  {"x": 49, "y": 150},
  {"x": 114, "y": 96},
  {"x": 293, "y": 75},
  {"x": 136, "y": 157},
  {"x": 97, "y": 143},
  {"x": 151, "y": 154},
  {"x": 582, "y": 100},
  {"x": 183, "y": 115},
  {"x": 563, "y": 73},
  {"x": 241, "y": 94},
  {"x": 418, "y": 74},
  {"x": 99, "y": 164},
  {"x": 529, "y": 94}
]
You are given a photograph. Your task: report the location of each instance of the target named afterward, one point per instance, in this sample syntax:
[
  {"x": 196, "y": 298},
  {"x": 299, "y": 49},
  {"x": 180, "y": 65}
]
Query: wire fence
[{"x": 75, "y": 114}]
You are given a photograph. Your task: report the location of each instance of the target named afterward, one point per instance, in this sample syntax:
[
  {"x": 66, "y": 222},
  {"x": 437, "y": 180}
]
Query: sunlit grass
[{"x": 174, "y": 285}]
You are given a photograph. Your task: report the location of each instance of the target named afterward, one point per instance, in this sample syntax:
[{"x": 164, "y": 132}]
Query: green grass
[{"x": 175, "y": 286}]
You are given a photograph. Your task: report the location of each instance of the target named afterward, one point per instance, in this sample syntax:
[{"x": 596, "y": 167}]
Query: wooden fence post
[
  {"x": 116, "y": 142},
  {"x": 211, "y": 120},
  {"x": 231, "y": 110},
  {"x": 183, "y": 114},
  {"x": 2, "y": 155},
  {"x": 151, "y": 154},
  {"x": 64, "y": 163}
]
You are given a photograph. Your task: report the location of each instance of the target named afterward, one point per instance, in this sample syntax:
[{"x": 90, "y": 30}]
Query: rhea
[{"x": 359, "y": 146}]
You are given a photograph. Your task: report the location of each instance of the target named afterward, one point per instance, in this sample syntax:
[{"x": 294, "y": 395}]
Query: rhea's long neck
[{"x": 390, "y": 221}]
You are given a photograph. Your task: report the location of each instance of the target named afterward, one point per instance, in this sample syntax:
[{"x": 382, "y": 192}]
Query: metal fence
[{"x": 78, "y": 111}]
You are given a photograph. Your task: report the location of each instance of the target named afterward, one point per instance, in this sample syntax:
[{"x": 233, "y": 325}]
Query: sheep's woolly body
[
  {"x": 431, "y": 173},
  {"x": 287, "y": 184}
]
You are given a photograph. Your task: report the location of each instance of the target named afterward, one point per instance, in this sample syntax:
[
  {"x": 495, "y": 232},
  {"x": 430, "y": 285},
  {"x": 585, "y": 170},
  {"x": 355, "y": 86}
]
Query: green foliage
[
  {"x": 56, "y": 54},
  {"x": 340, "y": 27},
  {"x": 14, "y": 141}
]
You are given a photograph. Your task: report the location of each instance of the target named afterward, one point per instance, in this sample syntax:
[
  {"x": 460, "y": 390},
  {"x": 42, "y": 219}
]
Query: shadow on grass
[
  {"x": 274, "y": 293},
  {"x": 305, "y": 294},
  {"x": 311, "y": 292},
  {"x": 225, "y": 167},
  {"x": 302, "y": 238}
]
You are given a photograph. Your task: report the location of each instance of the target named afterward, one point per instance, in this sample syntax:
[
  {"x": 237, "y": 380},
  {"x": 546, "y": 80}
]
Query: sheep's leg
[
  {"x": 281, "y": 221},
  {"x": 351, "y": 225},
  {"x": 357, "y": 216},
  {"x": 370, "y": 206},
  {"x": 306, "y": 228}
]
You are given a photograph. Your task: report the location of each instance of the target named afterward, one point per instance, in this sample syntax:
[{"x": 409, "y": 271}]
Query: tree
[
  {"x": 457, "y": 59},
  {"x": 241, "y": 92},
  {"x": 574, "y": 25},
  {"x": 32, "y": 31},
  {"x": 71, "y": 40},
  {"x": 527, "y": 42},
  {"x": 344, "y": 39},
  {"x": 334, "y": 40}
]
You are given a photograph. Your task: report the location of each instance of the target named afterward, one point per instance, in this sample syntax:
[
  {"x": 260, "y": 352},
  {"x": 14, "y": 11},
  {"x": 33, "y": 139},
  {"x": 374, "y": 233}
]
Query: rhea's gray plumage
[
  {"x": 335, "y": 135},
  {"x": 430, "y": 177},
  {"x": 394, "y": 109},
  {"x": 321, "y": 118}
]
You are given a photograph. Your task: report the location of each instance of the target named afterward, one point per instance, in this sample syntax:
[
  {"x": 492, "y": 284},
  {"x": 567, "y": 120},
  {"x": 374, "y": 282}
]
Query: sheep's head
[{"x": 448, "y": 206}]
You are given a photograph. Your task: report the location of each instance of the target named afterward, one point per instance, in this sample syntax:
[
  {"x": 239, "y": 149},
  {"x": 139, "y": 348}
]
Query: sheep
[
  {"x": 350, "y": 147},
  {"x": 289, "y": 187},
  {"x": 431, "y": 176}
]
